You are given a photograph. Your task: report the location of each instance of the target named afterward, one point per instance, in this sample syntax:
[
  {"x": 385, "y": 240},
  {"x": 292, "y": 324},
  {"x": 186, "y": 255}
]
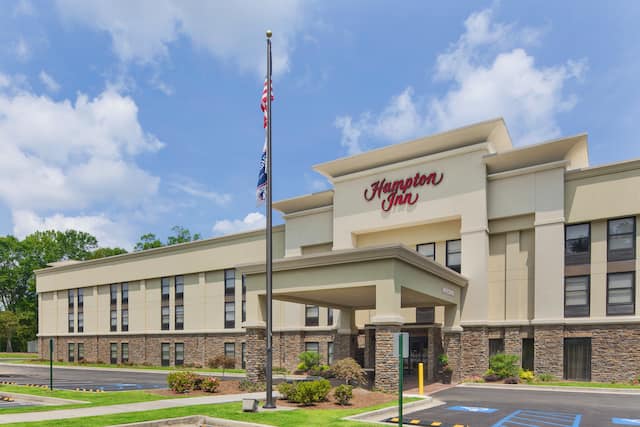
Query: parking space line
[{"x": 533, "y": 418}]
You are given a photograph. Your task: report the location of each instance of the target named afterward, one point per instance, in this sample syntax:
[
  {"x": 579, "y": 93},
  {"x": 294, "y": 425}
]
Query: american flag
[{"x": 262, "y": 174}]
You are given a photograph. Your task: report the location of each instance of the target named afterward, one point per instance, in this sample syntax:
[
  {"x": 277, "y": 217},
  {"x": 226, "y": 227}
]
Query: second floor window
[
  {"x": 428, "y": 250},
  {"x": 179, "y": 317},
  {"x": 165, "y": 318},
  {"x": 164, "y": 284},
  {"x": 576, "y": 296},
  {"x": 179, "y": 287},
  {"x": 70, "y": 298},
  {"x": 311, "y": 316},
  {"x": 80, "y": 298},
  {"x": 229, "y": 282},
  {"x": 80, "y": 321},
  {"x": 229, "y": 315},
  {"x": 114, "y": 320},
  {"x": 125, "y": 293},
  {"x": 577, "y": 244},
  {"x": 113, "y": 291},
  {"x": 621, "y": 239},
  {"x": 454, "y": 254},
  {"x": 330, "y": 316},
  {"x": 125, "y": 319},
  {"x": 621, "y": 292},
  {"x": 71, "y": 321}
]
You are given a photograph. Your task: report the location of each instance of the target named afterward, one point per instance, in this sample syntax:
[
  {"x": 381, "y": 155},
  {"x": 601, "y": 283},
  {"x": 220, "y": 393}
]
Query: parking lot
[
  {"x": 87, "y": 378},
  {"x": 480, "y": 407}
]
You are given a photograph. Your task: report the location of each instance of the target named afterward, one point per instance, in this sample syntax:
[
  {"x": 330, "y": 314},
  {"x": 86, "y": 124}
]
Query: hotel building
[{"x": 469, "y": 244}]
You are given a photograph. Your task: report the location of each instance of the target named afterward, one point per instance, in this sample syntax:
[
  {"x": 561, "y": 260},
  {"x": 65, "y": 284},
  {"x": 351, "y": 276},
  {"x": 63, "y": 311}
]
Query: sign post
[
  {"x": 400, "y": 348},
  {"x": 50, "y": 363}
]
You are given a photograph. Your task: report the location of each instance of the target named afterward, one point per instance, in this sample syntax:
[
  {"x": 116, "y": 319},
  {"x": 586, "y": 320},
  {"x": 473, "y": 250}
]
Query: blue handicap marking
[
  {"x": 531, "y": 418},
  {"x": 472, "y": 409},
  {"x": 626, "y": 421}
]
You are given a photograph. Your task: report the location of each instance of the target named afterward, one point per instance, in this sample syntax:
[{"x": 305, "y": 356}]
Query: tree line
[{"x": 19, "y": 259}]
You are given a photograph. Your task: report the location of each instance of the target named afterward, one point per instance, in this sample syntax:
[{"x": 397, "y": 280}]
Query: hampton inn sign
[{"x": 400, "y": 192}]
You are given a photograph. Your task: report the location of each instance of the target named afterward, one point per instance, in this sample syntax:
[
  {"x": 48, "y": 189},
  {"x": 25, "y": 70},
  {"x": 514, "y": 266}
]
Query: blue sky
[{"x": 126, "y": 117}]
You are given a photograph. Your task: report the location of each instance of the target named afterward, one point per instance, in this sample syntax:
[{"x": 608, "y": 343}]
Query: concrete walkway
[{"x": 127, "y": 407}]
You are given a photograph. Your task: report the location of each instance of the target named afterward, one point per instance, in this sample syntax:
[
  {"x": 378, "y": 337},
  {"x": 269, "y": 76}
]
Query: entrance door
[
  {"x": 577, "y": 359},
  {"x": 417, "y": 352}
]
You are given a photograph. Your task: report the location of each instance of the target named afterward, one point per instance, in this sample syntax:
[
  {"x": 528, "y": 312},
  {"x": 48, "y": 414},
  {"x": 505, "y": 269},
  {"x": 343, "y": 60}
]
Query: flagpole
[{"x": 269, "y": 404}]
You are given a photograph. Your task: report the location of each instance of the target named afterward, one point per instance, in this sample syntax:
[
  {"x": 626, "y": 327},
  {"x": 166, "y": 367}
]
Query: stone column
[
  {"x": 386, "y": 364},
  {"x": 345, "y": 339},
  {"x": 513, "y": 342},
  {"x": 256, "y": 354},
  {"x": 434, "y": 350},
  {"x": 452, "y": 344},
  {"x": 549, "y": 350}
]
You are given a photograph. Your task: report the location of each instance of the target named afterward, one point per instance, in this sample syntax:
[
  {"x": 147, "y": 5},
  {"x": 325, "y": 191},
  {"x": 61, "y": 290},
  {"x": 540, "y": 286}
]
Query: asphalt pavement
[{"x": 480, "y": 407}]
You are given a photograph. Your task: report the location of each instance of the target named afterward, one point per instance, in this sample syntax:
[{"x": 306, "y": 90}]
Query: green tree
[
  {"x": 105, "y": 252},
  {"x": 8, "y": 327},
  {"x": 181, "y": 235},
  {"x": 147, "y": 241}
]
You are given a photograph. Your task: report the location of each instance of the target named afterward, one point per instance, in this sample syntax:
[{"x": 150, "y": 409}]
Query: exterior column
[
  {"x": 345, "y": 342},
  {"x": 549, "y": 350},
  {"x": 452, "y": 344},
  {"x": 256, "y": 354},
  {"x": 386, "y": 364},
  {"x": 513, "y": 342}
]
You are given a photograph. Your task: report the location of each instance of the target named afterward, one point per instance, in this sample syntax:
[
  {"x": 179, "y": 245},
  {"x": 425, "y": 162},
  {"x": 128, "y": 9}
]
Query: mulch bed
[{"x": 226, "y": 387}]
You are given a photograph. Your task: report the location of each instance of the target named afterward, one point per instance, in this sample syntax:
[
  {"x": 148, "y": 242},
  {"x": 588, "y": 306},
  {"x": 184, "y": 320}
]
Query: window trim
[
  {"x": 449, "y": 253},
  {"x": 633, "y": 239},
  {"x": 588, "y": 254},
  {"x": 587, "y": 305},
  {"x": 427, "y": 244},
  {"x": 633, "y": 295}
]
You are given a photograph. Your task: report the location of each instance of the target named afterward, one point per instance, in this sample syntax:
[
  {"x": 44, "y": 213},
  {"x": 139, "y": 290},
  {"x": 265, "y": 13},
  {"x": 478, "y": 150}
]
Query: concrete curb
[
  {"x": 199, "y": 420},
  {"x": 624, "y": 391},
  {"x": 374, "y": 417},
  {"x": 42, "y": 400}
]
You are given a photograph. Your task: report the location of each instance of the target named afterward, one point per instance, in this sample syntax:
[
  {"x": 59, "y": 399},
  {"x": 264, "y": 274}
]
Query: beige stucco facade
[{"x": 353, "y": 247}]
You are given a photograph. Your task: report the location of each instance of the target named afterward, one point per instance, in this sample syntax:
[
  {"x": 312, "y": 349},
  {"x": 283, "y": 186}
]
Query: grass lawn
[
  {"x": 93, "y": 399},
  {"x": 584, "y": 384},
  {"x": 4, "y": 355},
  {"x": 296, "y": 418},
  {"x": 106, "y": 365}
]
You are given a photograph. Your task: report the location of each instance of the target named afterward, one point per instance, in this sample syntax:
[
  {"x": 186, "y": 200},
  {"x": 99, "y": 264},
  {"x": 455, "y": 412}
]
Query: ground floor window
[
  {"x": 528, "y": 353},
  {"x": 165, "y": 354},
  {"x": 230, "y": 350},
  {"x": 80, "y": 352},
  {"x": 330, "y": 353},
  {"x": 312, "y": 346},
  {"x": 496, "y": 345},
  {"x": 244, "y": 355},
  {"x": 577, "y": 359},
  {"x": 124, "y": 353},
  {"x": 179, "y": 354},
  {"x": 114, "y": 353},
  {"x": 72, "y": 351}
]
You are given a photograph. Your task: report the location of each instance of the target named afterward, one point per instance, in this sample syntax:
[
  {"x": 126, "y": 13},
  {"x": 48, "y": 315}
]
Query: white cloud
[
  {"x": 252, "y": 221},
  {"x": 49, "y": 82},
  {"x": 486, "y": 76},
  {"x": 195, "y": 189},
  {"x": 143, "y": 31},
  {"x": 22, "y": 49},
  {"x": 105, "y": 230}
]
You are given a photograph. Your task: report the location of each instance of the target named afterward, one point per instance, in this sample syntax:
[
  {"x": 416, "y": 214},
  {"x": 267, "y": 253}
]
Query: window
[
  {"x": 114, "y": 294},
  {"x": 164, "y": 288},
  {"x": 124, "y": 352},
  {"x": 114, "y": 320},
  {"x": 244, "y": 299},
  {"x": 577, "y": 359},
  {"x": 496, "y": 346},
  {"x": 454, "y": 251},
  {"x": 528, "y": 353},
  {"x": 114, "y": 353},
  {"x": 311, "y": 315},
  {"x": 229, "y": 315},
  {"x": 70, "y": 296},
  {"x": 124, "y": 297},
  {"x": 80, "y": 352},
  {"x": 165, "y": 354},
  {"x": 330, "y": 316},
  {"x": 125, "y": 319},
  {"x": 312, "y": 346},
  {"x": 179, "y": 354},
  {"x": 71, "y": 323},
  {"x": 330, "y": 353},
  {"x": 576, "y": 296},
  {"x": 179, "y": 287},
  {"x": 428, "y": 250},
  {"x": 621, "y": 293},
  {"x": 179, "y": 317},
  {"x": 80, "y": 298},
  {"x": 165, "y": 318},
  {"x": 72, "y": 351},
  {"x": 621, "y": 238},
  {"x": 80, "y": 322},
  {"x": 425, "y": 315},
  {"x": 230, "y": 350},
  {"x": 577, "y": 244},
  {"x": 230, "y": 282},
  {"x": 244, "y": 355}
]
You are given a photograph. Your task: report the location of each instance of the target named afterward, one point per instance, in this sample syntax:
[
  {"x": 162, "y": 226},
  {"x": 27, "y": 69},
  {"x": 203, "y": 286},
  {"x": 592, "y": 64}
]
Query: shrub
[
  {"x": 321, "y": 371},
  {"x": 443, "y": 359},
  {"x": 504, "y": 365},
  {"x": 635, "y": 380},
  {"x": 221, "y": 362},
  {"x": 209, "y": 384},
  {"x": 197, "y": 382},
  {"x": 181, "y": 382},
  {"x": 287, "y": 390},
  {"x": 251, "y": 387},
  {"x": 343, "y": 394},
  {"x": 279, "y": 370},
  {"x": 308, "y": 392},
  {"x": 512, "y": 380},
  {"x": 474, "y": 379},
  {"x": 526, "y": 375},
  {"x": 349, "y": 371},
  {"x": 545, "y": 378},
  {"x": 308, "y": 360}
]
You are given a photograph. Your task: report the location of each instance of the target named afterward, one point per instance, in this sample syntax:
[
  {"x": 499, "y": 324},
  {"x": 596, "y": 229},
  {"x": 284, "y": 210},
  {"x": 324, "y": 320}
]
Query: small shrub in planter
[
  {"x": 309, "y": 392},
  {"x": 343, "y": 394},
  {"x": 308, "y": 361},
  {"x": 526, "y": 375},
  {"x": 321, "y": 371},
  {"x": 209, "y": 384},
  {"x": 504, "y": 365},
  {"x": 181, "y": 382},
  {"x": 512, "y": 380},
  {"x": 349, "y": 371},
  {"x": 490, "y": 376}
]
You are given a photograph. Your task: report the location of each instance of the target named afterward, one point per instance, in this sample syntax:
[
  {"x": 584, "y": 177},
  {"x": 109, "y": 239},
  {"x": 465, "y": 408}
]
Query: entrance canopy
[{"x": 384, "y": 278}]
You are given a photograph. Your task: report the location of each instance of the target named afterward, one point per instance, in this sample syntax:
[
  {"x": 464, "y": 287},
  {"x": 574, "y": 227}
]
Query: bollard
[{"x": 421, "y": 379}]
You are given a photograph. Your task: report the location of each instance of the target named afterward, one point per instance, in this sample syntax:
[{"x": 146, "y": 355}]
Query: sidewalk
[
  {"x": 566, "y": 389},
  {"x": 127, "y": 407}
]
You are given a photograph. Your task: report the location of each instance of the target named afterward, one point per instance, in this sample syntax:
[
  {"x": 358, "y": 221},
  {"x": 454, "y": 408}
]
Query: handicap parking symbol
[{"x": 475, "y": 409}]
